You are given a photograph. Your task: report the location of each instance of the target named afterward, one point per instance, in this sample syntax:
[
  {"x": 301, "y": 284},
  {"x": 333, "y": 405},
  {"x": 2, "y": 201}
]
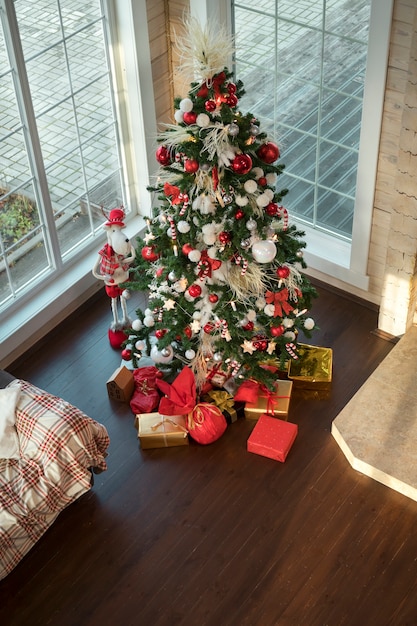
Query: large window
[
  {"x": 59, "y": 147},
  {"x": 314, "y": 72}
]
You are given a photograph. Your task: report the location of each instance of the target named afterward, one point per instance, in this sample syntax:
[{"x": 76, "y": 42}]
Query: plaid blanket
[{"x": 58, "y": 445}]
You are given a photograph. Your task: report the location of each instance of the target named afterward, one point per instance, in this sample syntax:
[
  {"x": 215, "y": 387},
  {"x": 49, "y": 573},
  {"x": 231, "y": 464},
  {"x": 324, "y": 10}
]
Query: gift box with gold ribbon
[
  {"x": 160, "y": 431},
  {"x": 225, "y": 402},
  {"x": 312, "y": 369},
  {"x": 259, "y": 399}
]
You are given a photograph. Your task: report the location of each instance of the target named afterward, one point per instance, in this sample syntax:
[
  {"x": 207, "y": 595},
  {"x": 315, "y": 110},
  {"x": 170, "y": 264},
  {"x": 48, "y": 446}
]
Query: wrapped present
[
  {"x": 224, "y": 401},
  {"x": 217, "y": 376},
  {"x": 146, "y": 396},
  {"x": 259, "y": 399},
  {"x": 160, "y": 431},
  {"x": 205, "y": 421},
  {"x": 313, "y": 368},
  {"x": 272, "y": 437}
]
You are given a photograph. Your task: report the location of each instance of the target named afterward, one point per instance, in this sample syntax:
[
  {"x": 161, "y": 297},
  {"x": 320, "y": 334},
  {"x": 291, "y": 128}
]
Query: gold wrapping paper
[
  {"x": 276, "y": 403},
  {"x": 161, "y": 431},
  {"x": 313, "y": 368}
]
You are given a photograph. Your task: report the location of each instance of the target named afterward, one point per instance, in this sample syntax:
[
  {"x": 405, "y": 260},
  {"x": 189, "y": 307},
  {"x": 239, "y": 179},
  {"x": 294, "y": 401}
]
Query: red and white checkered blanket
[{"x": 58, "y": 445}]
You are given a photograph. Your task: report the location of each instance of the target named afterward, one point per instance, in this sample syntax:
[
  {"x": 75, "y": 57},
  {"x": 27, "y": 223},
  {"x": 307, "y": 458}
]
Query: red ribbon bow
[
  {"x": 180, "y": 396},
  {"x": 280, "y": 301},
  {"x": 206, "y": 265},
  {"x": 173, "y": 192}
]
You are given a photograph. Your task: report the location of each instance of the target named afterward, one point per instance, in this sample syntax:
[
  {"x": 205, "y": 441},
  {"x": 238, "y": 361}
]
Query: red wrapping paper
[
  {"x": 205, "y": 422},
  {"x": 146, "y": 396},
  {"x": 272, "y": 437}
]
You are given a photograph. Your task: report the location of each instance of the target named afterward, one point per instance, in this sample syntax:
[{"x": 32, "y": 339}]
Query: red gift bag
[{"x": 146, "y": 396}]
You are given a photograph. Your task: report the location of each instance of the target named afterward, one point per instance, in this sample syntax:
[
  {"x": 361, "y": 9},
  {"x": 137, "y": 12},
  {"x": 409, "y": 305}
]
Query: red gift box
[{"x": 272, "y": 437}]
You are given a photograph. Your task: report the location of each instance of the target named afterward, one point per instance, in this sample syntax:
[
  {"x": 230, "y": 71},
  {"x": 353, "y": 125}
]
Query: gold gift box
[
  {"x": 313, "y": 368},
  {"x": 161, "y": 431},
  {"x": 277, "y": 403}
]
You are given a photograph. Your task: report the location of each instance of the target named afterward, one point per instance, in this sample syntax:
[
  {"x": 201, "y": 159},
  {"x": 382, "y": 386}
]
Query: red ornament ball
[
  {"x": 271, "y": 209},
  {"x": 194, "y": 290},
  {"x": 242, "y": 164},
  {"x": 213, "y": 297},
  {"x": 231, "y": 100},
  {"x": 268, "y": 152},
  {"x": 191, "y": 166},
  {"x": 188, "y": 332},
  {"x": 160, "y": 332},
  {"x": 148, "y": 253},
  {"x": 225, "y": 237},
  {"x": 231, "y": 88},
  {"x": 261, "y": 344},
  {"x": 262, "y": 181},
  {"x": 210, "y": 106},
  {"x": 126, "y": 354},
  {"x": 283, "y": 272},
  {"x": 248, "y": 326},
  {"x": 239, "y": 214},
  {"x": 187, "y": 248},
  {"x": 189, "y": 117},
  {"x": 277, "y": 331},
  {"x": 208, "y": 328},
  {"x": 163, "y": 156}
]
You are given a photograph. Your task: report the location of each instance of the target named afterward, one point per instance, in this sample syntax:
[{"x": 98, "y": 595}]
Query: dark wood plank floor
[{"x": 208, "y": 535}]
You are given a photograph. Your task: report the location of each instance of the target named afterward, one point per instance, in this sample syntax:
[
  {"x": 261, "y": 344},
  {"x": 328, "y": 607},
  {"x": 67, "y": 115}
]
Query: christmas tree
[{"x": 220, "y": 261}]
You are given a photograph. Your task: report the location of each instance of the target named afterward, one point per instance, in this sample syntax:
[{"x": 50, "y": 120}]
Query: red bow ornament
[
  {"x": 280, "y": 300},
  {"x": 206, "y": 265}
]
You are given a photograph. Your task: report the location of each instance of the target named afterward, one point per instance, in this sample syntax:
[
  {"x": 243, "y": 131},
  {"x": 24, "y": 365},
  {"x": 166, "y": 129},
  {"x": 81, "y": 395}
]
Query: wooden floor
[{"x": 214, "y": 535}]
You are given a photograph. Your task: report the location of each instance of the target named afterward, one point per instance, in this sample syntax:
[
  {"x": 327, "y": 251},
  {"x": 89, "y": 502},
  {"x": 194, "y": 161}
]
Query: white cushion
[{"x": 9, "y": 440}]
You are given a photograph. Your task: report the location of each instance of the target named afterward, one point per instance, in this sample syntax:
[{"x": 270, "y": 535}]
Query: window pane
[
  {"x": 59, "y": 128},
  {"x": 303, "y": 67}
]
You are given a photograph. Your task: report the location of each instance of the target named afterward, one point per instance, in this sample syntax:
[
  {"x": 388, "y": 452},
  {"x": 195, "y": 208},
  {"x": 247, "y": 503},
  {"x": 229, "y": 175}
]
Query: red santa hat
[{"x": 115, "y": 218}]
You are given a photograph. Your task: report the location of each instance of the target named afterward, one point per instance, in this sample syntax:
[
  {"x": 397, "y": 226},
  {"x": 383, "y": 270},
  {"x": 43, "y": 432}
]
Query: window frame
[{"x": 344, "y": 261}]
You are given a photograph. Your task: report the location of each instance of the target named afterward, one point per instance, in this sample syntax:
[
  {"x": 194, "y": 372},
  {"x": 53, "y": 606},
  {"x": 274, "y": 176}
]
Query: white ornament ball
[
  {"x": 251, "y": 315},
  {"x": 257, "y": 172},
  {"x": 287, "y": 322},
  {"x": 197, "y": 315},
  {"x": 241, "y": 200},
  {"x": 137, "y": 324},
  {"x": 309, "y": 323},
  {"x": 179, "y": 116},
  {"x": 209, "y": 239},
  {"x": 269, "y": 310},
  {"x": 263, "y": 200},
  {"x": 189, "y": 354},
  {"x": 260, "y": 303},
  {"x": 264, "y": 251},
  {"x": 162, "y": 356},
  {"x": 270, "y": 194},
  {"x": 186, "y": 105},
  {"x": 289, "y": 335},
  {"x": 203, "y": 120},
  {"x": 140, "y": 345},
  {"x": 149, "y": 321},
  {"x": 183, "y": 226},
  {"x": 271, "y": 178},
  {"x": 171, "y": 276},
  {"x": 218, "y": 357},
  {"x": 148, "y": 311},
  {"x": 180, "y": 286},
  {"x": 251, "y": 224},
  {"x": 194, "y": 256},
  {"x": 250, "y": 186}
]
